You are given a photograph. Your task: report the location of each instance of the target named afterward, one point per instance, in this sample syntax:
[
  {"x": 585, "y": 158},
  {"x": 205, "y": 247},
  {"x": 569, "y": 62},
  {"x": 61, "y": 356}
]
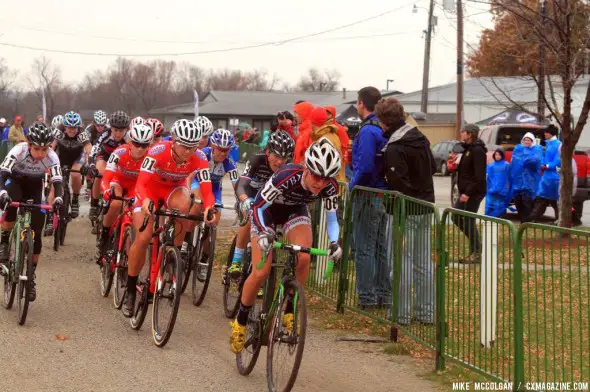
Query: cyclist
[
  {"x": 105, "y": 145},
  {"x": 163, "y": 176},
  {"x": 73, "y": 146},
  {"x": 21, "y": 175},
  {"x": 157, "y": 128},
  {"x": 259, "y": 169},
  {"x": 137, "y": 120},
  {"x": 121, "y": 173},
  {"x": 97, "y": 126},
  {"x": 283, "y": 201},
  {"x": 206, "y": 129},
  {"x": 57, "y": 122}
]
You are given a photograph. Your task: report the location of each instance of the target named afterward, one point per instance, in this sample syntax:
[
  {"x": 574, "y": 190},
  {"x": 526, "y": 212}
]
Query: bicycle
[
  {"x": 18, "y": 274},
  {"x": 165, "y": 267},
  {"x": 59, "y": 231},
  {"x": 96, "y": 223},
  {"x": 265, "y": 325},
  {"x": 201, "y": 269},
  {"x": 232, "y": 288},
  {"x": 113, "y": 263}
]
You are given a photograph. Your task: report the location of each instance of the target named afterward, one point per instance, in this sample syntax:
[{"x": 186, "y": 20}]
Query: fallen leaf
[{"x": 61, "y": 337}]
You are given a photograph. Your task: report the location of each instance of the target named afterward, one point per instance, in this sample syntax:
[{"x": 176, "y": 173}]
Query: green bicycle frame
[{"x": 22, "y": 224}]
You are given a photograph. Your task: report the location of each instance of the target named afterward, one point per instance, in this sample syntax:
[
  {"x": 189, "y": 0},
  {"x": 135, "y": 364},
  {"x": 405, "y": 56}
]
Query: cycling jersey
[
  {"x": 284, "y": 196},
  {"x": 104, "y": 146},
  {"x": 19, "y": 164},
  {"x": 93, "y": 134},
  {"x": 217, "y": 171},
  {"x": 121, "y": 169},
  {"x": 161, "y": 175},
  {"x": 70, "y": 150},
  {"x": 255, "y": 175}
]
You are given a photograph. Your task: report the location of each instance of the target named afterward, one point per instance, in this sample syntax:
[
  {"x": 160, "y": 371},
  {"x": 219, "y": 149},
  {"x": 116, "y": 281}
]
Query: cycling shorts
[
  {"x": 160, "y": 193},
  {"x": 72, "y": 157},
  {"x": 287, "y": 216}
]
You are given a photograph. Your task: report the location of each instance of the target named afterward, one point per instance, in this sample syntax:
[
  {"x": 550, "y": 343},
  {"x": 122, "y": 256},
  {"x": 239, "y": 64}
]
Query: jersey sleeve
[
  {"x": 330, "y": 201},
  {"x": 84, "y": 138},
  {"x": 146, "y": 174},
  {"x": 98, "y": 145},
  {"x": 265, "y": 198},
  {"x": 11, "y": 159},
  {"x": 230, "y": 167},
  {"x": 111, "y": 169},
  {"x": 203, "y": 176}
]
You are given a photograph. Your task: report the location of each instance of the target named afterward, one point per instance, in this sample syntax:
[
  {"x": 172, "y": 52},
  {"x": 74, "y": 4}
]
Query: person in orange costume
[
  {"x": 302, "y": 112},
  {"x": 342, "y": 135}
]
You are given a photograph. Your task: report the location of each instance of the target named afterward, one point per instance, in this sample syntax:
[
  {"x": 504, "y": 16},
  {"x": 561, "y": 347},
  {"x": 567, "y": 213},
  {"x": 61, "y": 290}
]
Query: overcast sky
[{"x": 393, "y": 50}]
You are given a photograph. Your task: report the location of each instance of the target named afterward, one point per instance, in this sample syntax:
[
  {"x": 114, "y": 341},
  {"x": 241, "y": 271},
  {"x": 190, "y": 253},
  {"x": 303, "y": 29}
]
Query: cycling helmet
[
  {"x": 222, "y": 138},
  {"x": 137, "y": 120},
  {"x": 57, "y": 121},
  {"x": 205, "y": 124},
  {"x": 281, "y": 143},
  {"x": 72, "y": 119},
  {"x": 100, "y": 117},
  {"x": 141, "y": 133},
  {"x": 322, "y": 158},
  {"x": 39, "y": 134},
  {"x": 186, "y": 133},
  {"x": 119, "y": 119},
  {"x": 156, "y": 126}
]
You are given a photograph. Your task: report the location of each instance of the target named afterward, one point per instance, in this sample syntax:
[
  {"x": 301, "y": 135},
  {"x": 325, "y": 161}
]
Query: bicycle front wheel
[
  {"x": 167, "y": 296},
  {"x": 25, "y": 276},
  {"x": 10, "y": 279},
  {"x": 203, "y": 269},
  {"x": 106, "y": 265},
  {"x": 143, "y": 293},
  {"x": 246, "y": 360},
  {"x": 286, "y": 338},
  {"x": 121, "y": 268}
]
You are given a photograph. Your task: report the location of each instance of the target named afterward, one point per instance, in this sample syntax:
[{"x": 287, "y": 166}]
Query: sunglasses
[
  {"x": 223, "y": 150},
  {"x": 140, "y": 145}
]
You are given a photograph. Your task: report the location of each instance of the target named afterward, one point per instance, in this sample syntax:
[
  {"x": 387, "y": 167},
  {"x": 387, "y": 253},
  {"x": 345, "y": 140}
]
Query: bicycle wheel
[
  {"x": 246, "y": 360},
  {"x": 203, "y": 269},
  {"x": 10, "y": 280},
  {"x": 285, "y": 348},
  {"x": 106, "y": 266},
  {"x": 25, "y": 276},
  {"x": 57, "y": 233},
  {"x": 232, "y": 288},
  {"x": 65, "y": 217},
  {"x": 121, "y": 269},
  {"x": 191, "y": 259},
  {"x": 166, "y": 296},
  {"x": 142, "y": 298}
]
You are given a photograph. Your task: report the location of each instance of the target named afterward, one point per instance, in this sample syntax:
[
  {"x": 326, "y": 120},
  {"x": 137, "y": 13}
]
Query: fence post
[
  {"x": 343, "y": 277},
  {"x": 518, "y": 312},
  {"x": 440, "y": 294},
  {"x": 399, "y": 212}
]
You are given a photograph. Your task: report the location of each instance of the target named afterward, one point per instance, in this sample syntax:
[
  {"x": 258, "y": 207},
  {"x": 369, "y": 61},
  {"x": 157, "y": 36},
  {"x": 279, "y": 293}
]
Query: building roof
[
  {"x": 434, "y": 118},
  {"x": 261, "y": 103}
]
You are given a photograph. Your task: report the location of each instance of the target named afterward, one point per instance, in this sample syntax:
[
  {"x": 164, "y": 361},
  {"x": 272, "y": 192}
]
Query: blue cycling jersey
[{"x": 218, "y": 171}]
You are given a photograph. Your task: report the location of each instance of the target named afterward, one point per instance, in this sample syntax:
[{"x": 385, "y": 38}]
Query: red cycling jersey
[
  {"x": 121, "y": 169},
  {"x": 160, "y": 175}
]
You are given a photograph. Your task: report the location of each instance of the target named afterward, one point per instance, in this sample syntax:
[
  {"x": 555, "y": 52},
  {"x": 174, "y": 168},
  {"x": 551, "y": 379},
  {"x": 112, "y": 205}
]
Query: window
[{"x": 436, "y": 147}]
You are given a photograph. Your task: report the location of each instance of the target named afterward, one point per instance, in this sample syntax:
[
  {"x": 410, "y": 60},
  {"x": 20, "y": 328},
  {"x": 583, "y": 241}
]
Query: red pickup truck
[{"x": 509, "y": 135}]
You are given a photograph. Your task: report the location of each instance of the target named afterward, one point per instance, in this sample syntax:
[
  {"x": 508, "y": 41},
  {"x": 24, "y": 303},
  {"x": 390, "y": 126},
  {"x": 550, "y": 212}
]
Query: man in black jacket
[
  {"x": 471, "y": 181},
  {"x": 408, "y": 167}
]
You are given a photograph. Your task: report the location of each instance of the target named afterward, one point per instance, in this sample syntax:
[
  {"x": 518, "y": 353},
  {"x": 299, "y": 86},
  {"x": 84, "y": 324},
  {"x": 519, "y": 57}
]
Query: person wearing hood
[
  {"x": 302, "y": 112},
  {"x": 471, "y": 181},
  {"x": 408, "y": 166},
  {"x": 342, "y": 134},
  {"x": 16, "y": 134},
  {"x": 525, "y": 169},
  {"x": 322, "y": 128},
  {"x": 548, "y": 191},
  {"x": 498, "y": 180}
]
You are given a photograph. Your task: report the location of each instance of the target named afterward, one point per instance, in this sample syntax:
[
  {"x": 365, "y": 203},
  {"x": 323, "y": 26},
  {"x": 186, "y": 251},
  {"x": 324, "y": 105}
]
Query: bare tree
[
  {"x": 315, "y": 80},
  {"x": 45, "y": 76}
]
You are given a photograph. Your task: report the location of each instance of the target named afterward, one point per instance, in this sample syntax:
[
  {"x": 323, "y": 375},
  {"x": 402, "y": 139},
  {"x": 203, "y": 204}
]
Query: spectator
[
  {"x": 525, "y": 168},
  {"x": 498, "y": 173},
  {"x": 284, "y": 121},
  {"x": 371, "y": 227},
  {"x": 264, "y": 140},
  {"x": 321, "y": 128},
  {"x": 40, "y": 118},
  {"x": 302, "y": 112},
  {"x": 408, "y": 166},
  {"x": 3, "y": 129},
  {"x": 548, "y": 191},
  {"x": 17, "y": 133},
  {"x": 342, "y": 133},
  {"x": 471, "y": 181}
]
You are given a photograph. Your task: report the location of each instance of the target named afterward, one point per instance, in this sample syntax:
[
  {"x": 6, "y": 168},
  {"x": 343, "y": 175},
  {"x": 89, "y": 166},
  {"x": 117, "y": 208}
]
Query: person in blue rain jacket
[
  {"x": 525, "y": 174},
  {"x": 548, "y": 192},
  {"x": 498, "y": 180}
]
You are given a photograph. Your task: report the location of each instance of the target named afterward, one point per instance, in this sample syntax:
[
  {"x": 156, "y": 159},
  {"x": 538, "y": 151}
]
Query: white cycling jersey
[{"x": 20, "y": 164}]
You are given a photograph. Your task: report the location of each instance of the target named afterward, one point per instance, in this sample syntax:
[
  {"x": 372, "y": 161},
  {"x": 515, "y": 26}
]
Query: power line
[{"x": 252, "y": 46}]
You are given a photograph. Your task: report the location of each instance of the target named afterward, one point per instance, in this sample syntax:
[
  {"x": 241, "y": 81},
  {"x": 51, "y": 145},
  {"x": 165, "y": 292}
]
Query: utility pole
[
  {"x": 389, "y": 80},
  {"x": 542, "y": 63},
  {"x": 426, "y": 71},
  {"x": 459, "y": 65}
]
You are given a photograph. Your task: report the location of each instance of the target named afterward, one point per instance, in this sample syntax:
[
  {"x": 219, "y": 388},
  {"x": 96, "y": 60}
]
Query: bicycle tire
[
  {"x": 173, "y": 260},
  {"x": 106, "y": 271},
  {"x": 142, "y": 303},
  {"x": 199, "y": 295},
  {"x": 277, "y": 336},
  {"x": 24, "y": 285},
  {"x": 121, "y": 271},
  {"x": 190, "y": 262},
  {"x": 65, "y": 215},
  {"x": 246, "y": 360},
  {"x": 230, "y": 306},
  {"x": 57, "y": 235},
  {"x": 9, "y": 280}
]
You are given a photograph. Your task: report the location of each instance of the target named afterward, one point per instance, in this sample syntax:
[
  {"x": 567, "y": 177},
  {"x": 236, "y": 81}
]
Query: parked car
[
  {"x": 441, "y": 152},
  {"x": 508, "y": 136}
]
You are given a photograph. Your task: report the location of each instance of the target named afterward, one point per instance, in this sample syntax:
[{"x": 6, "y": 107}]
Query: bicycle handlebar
[
  {"x": 18, "y": 204},
  {"x": 216, "y": 205},
  {"x": 301, "y": 249},
  {"x": 128, "y": 200},
  {"x": 174, "y": 214}
]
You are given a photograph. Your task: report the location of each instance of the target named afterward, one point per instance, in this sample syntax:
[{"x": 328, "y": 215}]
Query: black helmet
[
  {"x": 40, "y": 134},
  {"x": 119, "y": 119},
  {"x": 280, "y": 143}
]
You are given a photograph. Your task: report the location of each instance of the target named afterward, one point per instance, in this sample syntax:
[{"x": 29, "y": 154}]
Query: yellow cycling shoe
[
  {"x": 287, "y": 320},
  {"x": 238, "y": 337}
]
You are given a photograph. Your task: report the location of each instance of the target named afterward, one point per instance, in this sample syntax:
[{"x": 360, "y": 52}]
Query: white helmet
[
  {"x": 100, "y": 117},
  {"x": 222, "y": 138},
  {"x": 137, "y": 120},
  {"x": 57, "y": 121},
  {"x": 141, "y": 133},
  {"x": 186, "y": 133},
  {"x": 322, "y": 158},
  {"x": 205, "y": 125}
]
